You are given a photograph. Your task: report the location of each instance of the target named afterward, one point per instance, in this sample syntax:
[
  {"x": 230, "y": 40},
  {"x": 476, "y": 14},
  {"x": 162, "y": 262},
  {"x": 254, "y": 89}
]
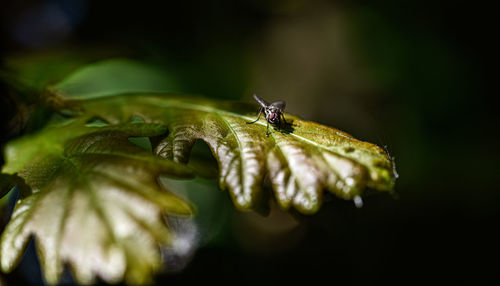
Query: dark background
[{"x": 418, "y": 77}]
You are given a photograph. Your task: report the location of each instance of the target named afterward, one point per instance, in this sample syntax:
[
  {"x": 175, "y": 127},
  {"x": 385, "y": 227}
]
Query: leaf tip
[
  {"x": 175, "y": 205},
  {"x": 243, "y": 201},
  {"x": 358, "y": 201},
  {"x": 308, "y": 203},
  {"x": 6, "y": 264},
  {"x": 9, "y": 258}
]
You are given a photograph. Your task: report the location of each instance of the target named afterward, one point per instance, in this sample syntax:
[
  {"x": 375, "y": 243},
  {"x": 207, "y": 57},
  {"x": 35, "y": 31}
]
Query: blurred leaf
[
  {"x": 210, "y": 226},
  {"x": 300, "y": 165},
  {"x": 95, "y": 202},
  {"x": 213, "y": 209},
  {"x": 35, "y": 71},
  {"x": 7, "y": 182},
  {"x": 115, "y": 76}
]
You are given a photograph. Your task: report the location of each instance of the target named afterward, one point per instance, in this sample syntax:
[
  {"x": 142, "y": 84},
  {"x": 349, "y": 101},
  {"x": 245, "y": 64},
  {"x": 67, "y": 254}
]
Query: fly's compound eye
[{"x": 274, "y": 118}]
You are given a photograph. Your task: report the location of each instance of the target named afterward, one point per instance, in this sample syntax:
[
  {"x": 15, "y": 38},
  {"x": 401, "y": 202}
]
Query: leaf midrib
[
  {"x": 180, "y": 104},
  {"x": 199, "y": 107}
]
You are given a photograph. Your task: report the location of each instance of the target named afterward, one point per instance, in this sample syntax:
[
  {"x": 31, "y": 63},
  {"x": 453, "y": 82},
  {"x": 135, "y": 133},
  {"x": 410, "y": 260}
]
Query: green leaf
[
  {"x": 95, "y": 203},
  {"x": 35, "y": 71},
  {"x": 300, "y": 165},
  {"x": 115, "y": 76}
]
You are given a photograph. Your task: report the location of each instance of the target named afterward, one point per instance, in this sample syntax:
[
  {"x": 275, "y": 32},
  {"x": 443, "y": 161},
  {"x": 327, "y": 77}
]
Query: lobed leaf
[
  {"x": 90, "y": 197},
  {"x": 94, "y": 204},
  {"x": 300, "y": 163}
]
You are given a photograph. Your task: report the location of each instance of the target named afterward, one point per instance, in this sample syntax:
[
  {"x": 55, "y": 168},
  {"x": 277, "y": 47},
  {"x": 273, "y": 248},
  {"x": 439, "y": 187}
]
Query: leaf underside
[
  {"x": 95, "y": 203},
  {"x": 300, "y": 164}
]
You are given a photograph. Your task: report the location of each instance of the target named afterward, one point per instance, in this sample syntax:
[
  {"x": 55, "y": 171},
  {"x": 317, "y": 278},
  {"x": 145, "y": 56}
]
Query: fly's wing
[
  {"x": 260, "y": 100},
  {"x": 279, "y": 104}
]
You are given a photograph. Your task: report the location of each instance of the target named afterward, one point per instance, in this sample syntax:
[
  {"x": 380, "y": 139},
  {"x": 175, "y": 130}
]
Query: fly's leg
[
  {"x": 287, "y": 122},
  {"x": 280, "y": 129},
  {"x": 260, "y": 112},
  {"x": 283, "y": 116},
  {"x": 267, "y": 130}
]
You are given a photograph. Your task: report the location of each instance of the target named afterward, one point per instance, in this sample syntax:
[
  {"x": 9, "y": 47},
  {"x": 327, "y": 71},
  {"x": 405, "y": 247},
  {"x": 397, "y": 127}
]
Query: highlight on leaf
[
  {"x": 300, "y": 164},
  {"x": 95, "y": 203}
]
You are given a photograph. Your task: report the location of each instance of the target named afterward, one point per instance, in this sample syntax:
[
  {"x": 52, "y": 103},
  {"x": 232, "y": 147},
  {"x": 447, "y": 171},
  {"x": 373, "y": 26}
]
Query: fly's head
[{"x": 273, "y": 114}]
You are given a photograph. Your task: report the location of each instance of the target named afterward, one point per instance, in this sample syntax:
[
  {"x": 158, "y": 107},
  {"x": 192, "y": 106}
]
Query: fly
[{"x": 273, "y": 112}]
